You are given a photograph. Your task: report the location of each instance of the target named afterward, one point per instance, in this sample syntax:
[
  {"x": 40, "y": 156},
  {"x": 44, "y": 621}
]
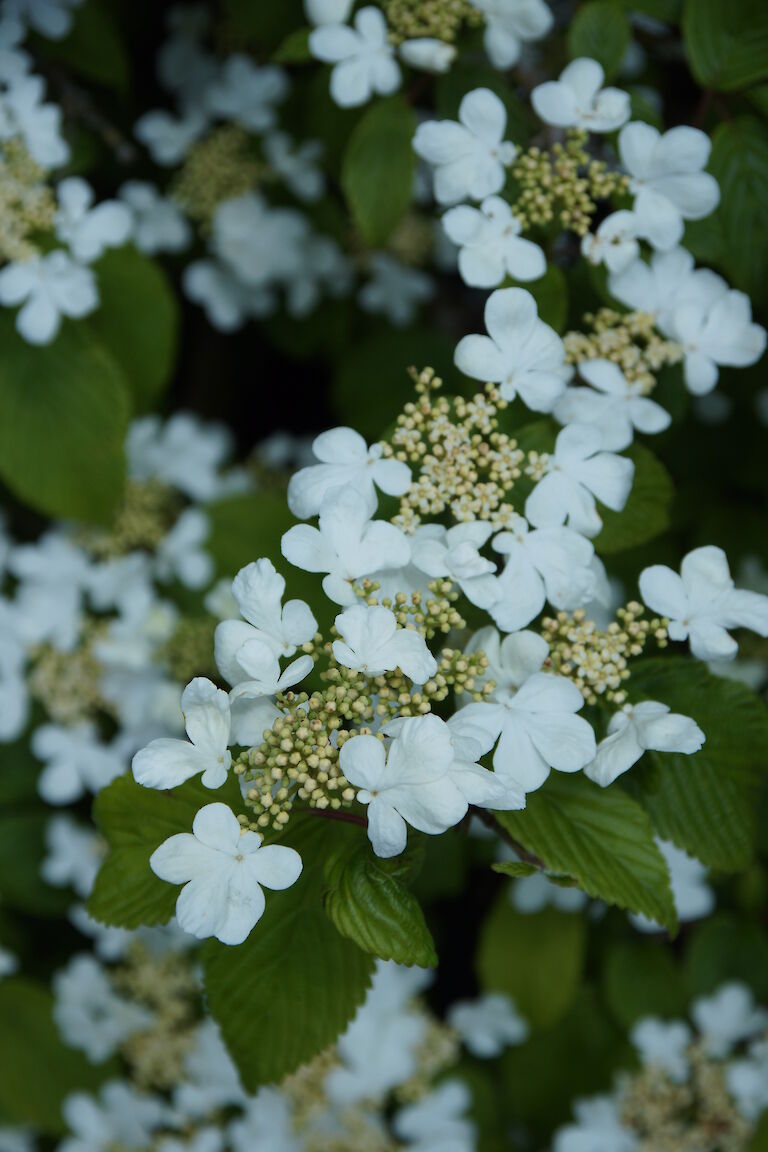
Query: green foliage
[
  {"x": 515, "y": 868},
  {"x": 551, "y": 295},
  {"x": 641, "y": 978},
  {"x": 601, "y": 837},
  {"x": 646, "y": 513},
  {"x": 94, "y": 48},
  {"x": 294, "y": 985},
  {"x": 266, "y": 24},
  {"x": 377, "y": 172},
  {"x": 705, "y": 803},
  {"x": 369, "y": 903},
  {"x": 295, "y": 48},
  {"x": 36, "y": 1069},
  {"x": 538, "y": 960},
  {"x": 726, "y": 947},
  {"x": 137, "y": 322},
  {"x": 63, "y": 417},
  {"x": 464, "y": 77},
  {"x": 726, "y": 42},
  {"x": 759, "y": 1142},
  {"x": 600, "y": 30}
]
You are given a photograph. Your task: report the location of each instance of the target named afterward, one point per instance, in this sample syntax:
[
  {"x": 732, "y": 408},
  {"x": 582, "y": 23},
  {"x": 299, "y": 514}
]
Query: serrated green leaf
[
  {"x": 369, "y": 904},
  {"x": 726, "y": 42},
  {"x": 515, "y": 868},
  {"x": 646, "y": 513},
  {"x": 537, "y": 960},
  {"x": 63, "y": 417},
  {"x": 294, "y": 985},
  {"x": 600, "y": 836},
  {"x": 705, "y": 803},
  {"x": 377, "y": 170},
  {"x": 600, "y": 30}
]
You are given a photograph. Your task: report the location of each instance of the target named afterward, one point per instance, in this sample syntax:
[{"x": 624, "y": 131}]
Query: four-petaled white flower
[
  {"x": 664, "y": 1044},
  {"x": 263, "y": 676},
  {"x": 169, "y": 138},
  {"x": 577, "y": 473},
  {"x": 638, "y": 728},
  {"x": 578, "y": 100},
  {"x": 347, "y": 545},
  {"x": 702, "y": 603},
  {"x": 438, "y": 1121},
  {"x": 747, "y": 1081},
  {"x": 88, "y": 231},
  {"x": 345, "y": 459},
  {"x": 394, "y": 290},
  {"x": 166, "y": 763},
  {"x": 181, "y": 553},
  {"x": 615, "y": 241},
  {"x": 713, "y": 333},
  {"x": 222, "y": 869},
  {"x": 258, "y": 592},
  {"x": 470, "y": 157},
  {"x": 490, "y": 244},
  {"x": 727, "y": 1017},
  {"x": 372, "y": 642},
  {"x": 668, "y": 179},
  {"x": 521, "y": 354},
  {"x": 363, "y": 58},
  {"x": 544, "y": 564},
  {"x": 454, "y": 552},
  {"x": 75, "y": 761},
  {"x": 428, "y": 54},
  {"x": 48, "y": 287},
  {"x": 51, "y": 18},
  {"x": 328, "y": 11},
  {"x": 247, "y": 94},
  {"x": 488, "y": 1025},
  {"x": 613, "y": 404},
  {"x": 509, "y": 24},
  {"x": 23, "y": 113},
  {"x": 158, "y": 225}
]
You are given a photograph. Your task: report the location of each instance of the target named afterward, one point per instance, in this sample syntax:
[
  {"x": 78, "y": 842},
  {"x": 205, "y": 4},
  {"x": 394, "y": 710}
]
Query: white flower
[
  {"x": 258, "y": 592},
  {"x": 544, "y": 564},
  {"x": 364, "y": 60},
  {"x": 511, "y": 660},
  {"x": 73, "y": 857},
  {"x": 671, "y": 279},
  {"x": 222, "y": 869},
  {"x": 488, "y": 1025},
  {"x": 181, "y": 554},
  {"x": 259, "y": 244},
  {"x": 266, "y": 1123},
  {"x": 437, "y": 1121},
  {"x": 158, "y": 224},
  {"x": 89, "y": 231},
  {"x": 427, "y": 53},
  {"x": 667, "y": 179},
  {"x": 521, "y": 354},
  {"x": 394, "y": 290},
  {"x": 347, "y": 545},
  {"x": 453, "y": 552},
  {"x": 210, "y": 1081},
  {"x": 181, "y": 451},
  {"x": 664, "y": 1044},
  {"x": 727, "y": 1017},
  {"x": 14, "y": 61},
  {"x": 747, "y": 1081},
  {"x": 530, "y": 894},
  {"x": 702, "y": 603},
  {"x": 471, "y": 157},
  {"x": 638, "y": 728},
  {"x": 372, "y": 642},
  {"x": 51, "y": 18},
  {"x": 90, "y": 1014},
  {"x": 692, "y": 894},
  {"x": 577, "y": 473},
  {"x": 262, "y": 677},
  {"x": 296, "y": 164},
  {"x": 48, "y": 287},
  {"x": 227, "y": 302},
  {"x": 345, "y": 460},
  {"x": 328, "y": 11},
  {"x": 120, "y": 1117},
  {"x": 713, "y": 333},
  {"x": 23, "y": 113},
  {"x": 166, "y": 763},
  {"x": 491, "y": 246},
  {"x": 578, "y": 100},
  {"x": 615, "y": 241},
  {"x": 8, "y": 965},
  {"x": 535, "y": 723},
  {"x": 247, "y": 94},
  {"x": 598, "y": 1128},
  {"x": 75, "y": 762},
  {"x": 509, "y": 24},
  {"x": 613, "y": 404},
  {"x": 169, "y": 138}
]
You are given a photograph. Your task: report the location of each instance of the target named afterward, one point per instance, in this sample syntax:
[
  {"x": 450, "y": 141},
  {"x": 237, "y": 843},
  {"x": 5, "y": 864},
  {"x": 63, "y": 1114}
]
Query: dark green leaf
[
  {"x": 727, "y": 948},
  {"x": 726, "y": 42},
  {"x": 295, "y": 48},
  {"x": 94, "y": 48},
  {"x": 551, "y": 295},
  {"x": 646, "y": 513},
  {"x": 600, "y": 30},
  {"x": 377, "y": 172},
  {"x": 515, "y": 868},
  {"x": 642, "y": 979}
]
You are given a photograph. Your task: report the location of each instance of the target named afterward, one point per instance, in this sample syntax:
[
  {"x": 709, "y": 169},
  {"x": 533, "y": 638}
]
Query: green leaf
[
  {"x": 63, "y": 418},
  {"x": 600, "y": 836},
  {"x": 36, "y": 1069},
  {"x": 759, "y": 1142},
  {"x": 22, "y": 849},
  {"x": 705, "y": 803},
  {"x": 369, "y": 904},
  {"x": 135, "y": 820},
  {"x": 646, "y": 513},
  {"x": 642, "y": 979},
  {"x": 727, "y": 948},
  {"x": 94, "y": 48},
  {"x": 726, "y": 42},
  {"x": 264, "y": 23},
  {"x": 601, "y": 31},
  {"x": 377, "y": 170},
  {"x": 463, "y": 77},
  {"x": 537, "y": 960},
  {"x": 137, "y": 321},
  {"x": 550, "y": 292},
  {"x": 515, "y": 868},
  {"x": 295, "y": 48},
  {"x": 290, "y": 990}
]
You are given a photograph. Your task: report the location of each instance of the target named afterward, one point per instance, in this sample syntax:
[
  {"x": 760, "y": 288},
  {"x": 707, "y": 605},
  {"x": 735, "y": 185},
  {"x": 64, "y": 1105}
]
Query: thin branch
[
  {"x": 490, "y": 821},
  {"x": 336, "y": 814}
]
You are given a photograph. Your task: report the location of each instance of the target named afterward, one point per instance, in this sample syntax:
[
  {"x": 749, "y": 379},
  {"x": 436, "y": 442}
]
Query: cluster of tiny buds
[
  {"x": 439, "y": 19},
  {"x": 629, "y": 339},
  {"x": 67, "y": 684},
  {"x": 27, "y": 203},
  {"x": 221, "y": 167},
  {"x": 189, "y": 651},
  {"x": 465, "y": 672},
  {"x": 563, "y": 186},
  {"x": 145, "y": 516},
  {"x": 428, "y": 616},
  {"x": 596, "y": 660}
]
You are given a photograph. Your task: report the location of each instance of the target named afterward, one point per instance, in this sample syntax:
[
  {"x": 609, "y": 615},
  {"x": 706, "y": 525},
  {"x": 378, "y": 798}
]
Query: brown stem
[
  {"x": 335, "y": 814},
  {"x": 490, "y": 821}
]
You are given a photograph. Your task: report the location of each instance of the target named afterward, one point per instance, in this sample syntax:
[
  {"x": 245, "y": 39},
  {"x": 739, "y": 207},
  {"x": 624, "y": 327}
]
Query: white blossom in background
[
  {"x": 578, "y": 100},
  {"x": 211, "y": 1079},
  {"x": 14, "y": 61},
  {"x": 182, "y": 451},
  {"x": 8, "y": 966},
  {"x": 267, "y": 1122},
  {"x": 663, "y": 1044},
  {"x": 222, "y": 869},
  {"x": 51, "y": 18},
  {"x": 694, "y": 899},
  {"x": 530, "y": 894},
  {"x": 90, "y": 1014},
  {"x": 394, "y": 290},
  {"x": 469, "y": 157},
  {"x": 169, "y": 138},
  {"x": 488, "y": 1025},
  {"x": 510, "y": 25},
  {"x": 181, "y": 554},
  {"x": 120, "y": 1116},
  {"x": 296, "y": 164},
  {"x": 258, "y": 243},
  {"x": 246, "y": 94},
  {"x": 639, "y": 728},
  {"x": 721, "y": 334},
  {"x": 727, "y": 1017},
  {"x": 328, "y": 11},
  {"x": 87, "y": 230},
  {"x": 74, "y": 854},
  {"x": 667, "y": 179},
  {"x": 372, "y": 642},
  {"x": 363, "y": 58},
  {"x": 747, "y": 1081},
  {"x": 345, "y": 460},
  {"x": 553, "y": 564},
  {"x": 490, "y": 244},
  {"x": 613, "y": 404},
  {"x": 166, "y": 763},
  {"x": 615, "y": 243},
  {"x": 438, "y": 1120},
  {"x": 75, "y": 761},
  {"x": 521, "y": 354},
  {"x": 49, "y": 288},
  {"x": 702, "y": 603},
  {"x": 158, "y": 224},
  {"x": 575, "y": 475},
  {"x": 227, "y": 303},
  {"x": 597, "y": 1128}
]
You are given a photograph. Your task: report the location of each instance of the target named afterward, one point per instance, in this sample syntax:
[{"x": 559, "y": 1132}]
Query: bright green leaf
[
  {"x": 646, "y": 513},
  {"x": 377, "y": 171},
  {"x": 515, "y": 868},
  {"x": 726, "y": 42},
  {"x": 600, "y": 30}
]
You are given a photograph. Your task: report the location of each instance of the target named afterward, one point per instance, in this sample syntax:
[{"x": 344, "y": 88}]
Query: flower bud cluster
[
  {"x": 189, "y": 651},
  {"x": 440, "y": 19},
  {"x": 436, "y": 613},
  {"x": 220, "y": 167},
  {"x": 629, "y": 339},
  {"x": 148, "y": 510},
  {"x": 67, "y": 684},
  {"x": 27, "y": 204}
]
